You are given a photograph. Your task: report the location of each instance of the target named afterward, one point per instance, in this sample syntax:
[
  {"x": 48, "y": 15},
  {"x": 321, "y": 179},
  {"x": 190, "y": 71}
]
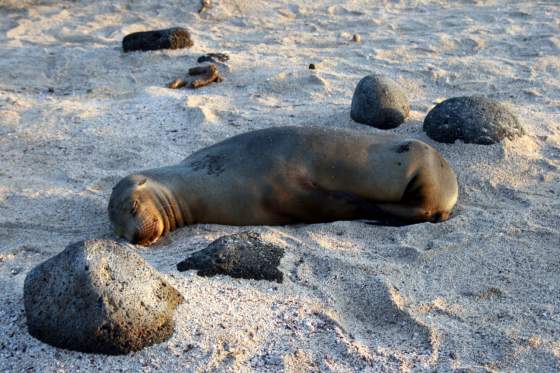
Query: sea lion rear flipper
[{"x": 412, "y": 214}]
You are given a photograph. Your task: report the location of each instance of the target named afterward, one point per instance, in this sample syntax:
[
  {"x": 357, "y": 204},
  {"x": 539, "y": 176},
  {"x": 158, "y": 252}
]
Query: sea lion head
[{"x": 135, "y": 210}]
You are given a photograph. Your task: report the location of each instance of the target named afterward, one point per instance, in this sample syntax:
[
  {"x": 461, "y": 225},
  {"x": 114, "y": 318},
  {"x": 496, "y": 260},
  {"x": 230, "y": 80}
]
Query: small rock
[
  {"x": 213, "y": 57},
  {"x": 312, "y": 66},
  {"x": 356, "y": 38},
  {"x": 205, "y": 5},
  {"x": 242, "y": 255},
  {"x": 177, "y": 83},
  {"x": 379, "y": 102},
  {"x": 172, "y": 38},
  {"x": 99, "y": 296},
  {"x": 475, "y": 119},
  {"x": 212, "y": 75}
]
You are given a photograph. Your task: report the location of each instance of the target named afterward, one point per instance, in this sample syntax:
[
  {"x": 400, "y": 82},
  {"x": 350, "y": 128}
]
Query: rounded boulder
[
  {"x": 379, "y": 102},
  {"x": 474, "y": 119}
]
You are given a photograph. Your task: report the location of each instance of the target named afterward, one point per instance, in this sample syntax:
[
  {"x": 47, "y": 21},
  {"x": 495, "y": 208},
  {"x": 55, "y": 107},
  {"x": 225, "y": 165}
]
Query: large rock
[
  {"x": 242, "y": 255},
  {"x": 379, "y": 102},
  {"x": 476, "y": 120},
  {"x": 99, "y": 296},
  {"x": 171, "y": 38}
]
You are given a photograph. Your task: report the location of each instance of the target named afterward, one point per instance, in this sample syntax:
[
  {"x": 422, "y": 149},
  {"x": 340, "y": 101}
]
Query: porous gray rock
[
  {"x": 99, "y": 296},
  {"x": 242, "y": 255},
  {"x": 379, "y": 102},
  {"x": 475, "y": 119},
  {"x": 171, "y": 38}
]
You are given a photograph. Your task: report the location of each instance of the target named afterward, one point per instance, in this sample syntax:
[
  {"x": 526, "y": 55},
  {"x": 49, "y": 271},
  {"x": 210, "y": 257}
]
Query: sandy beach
[{"x": 477, "y": 293}]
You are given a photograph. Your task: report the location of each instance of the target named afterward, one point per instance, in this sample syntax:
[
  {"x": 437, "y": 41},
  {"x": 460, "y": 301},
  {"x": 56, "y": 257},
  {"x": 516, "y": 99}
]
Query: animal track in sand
[
  {"x": 376, "y": 307},
  {"x": 119, "y": 159},
  {"x": 365, "y": 302},
  {"x": 198, "y": 111},
  {"x": 24, "y": 250},
  {"x": 402, "y": 253},
  {"x": 292, "y": 82},
  {"x": 103, "y": 184}
]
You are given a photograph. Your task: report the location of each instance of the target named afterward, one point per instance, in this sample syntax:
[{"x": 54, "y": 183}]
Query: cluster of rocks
[
  {"x": 380, "y": 102},
  {"x": 177, "y": 38},
  {"x": 100, "y": 296},
  {"x": 210, "y": 75}
]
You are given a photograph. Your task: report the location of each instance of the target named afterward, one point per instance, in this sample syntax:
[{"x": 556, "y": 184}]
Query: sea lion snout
[
  {"x": 440, "y": 216},
  {"x": 132, "y": 212},
  {"x": 146, "y": 233}
]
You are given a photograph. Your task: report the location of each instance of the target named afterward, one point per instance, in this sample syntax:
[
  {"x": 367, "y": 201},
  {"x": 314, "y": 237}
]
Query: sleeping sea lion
[{"x": 286, "y": 175}]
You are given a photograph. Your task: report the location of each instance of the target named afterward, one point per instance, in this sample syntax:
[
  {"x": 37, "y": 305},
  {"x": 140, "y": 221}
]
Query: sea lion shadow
[{"x": 387, "y": 223}]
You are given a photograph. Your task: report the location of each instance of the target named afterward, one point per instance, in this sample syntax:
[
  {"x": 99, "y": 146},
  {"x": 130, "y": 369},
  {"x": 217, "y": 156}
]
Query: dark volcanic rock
[
  {"x": 476, "y": 120},
  {"x": 213, "y": 57},
  {"x": 172, "y": 38},
  {"x": 379, "y": 102},
  {"x": 99, "y": 296},
  {"x": 242, "y": 255}
]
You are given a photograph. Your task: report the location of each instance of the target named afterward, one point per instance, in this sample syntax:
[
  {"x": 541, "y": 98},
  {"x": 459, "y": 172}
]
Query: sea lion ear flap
[{"x": 142, "y": 182}]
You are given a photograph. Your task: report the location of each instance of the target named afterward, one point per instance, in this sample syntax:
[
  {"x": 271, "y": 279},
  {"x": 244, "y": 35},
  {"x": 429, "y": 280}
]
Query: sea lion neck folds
[
  {"x": 145, "y": 206},
  {"x": 288, "y": 175}
]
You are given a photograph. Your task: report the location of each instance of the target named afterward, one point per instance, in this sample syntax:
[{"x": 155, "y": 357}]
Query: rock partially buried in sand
[
  {"x": 210, "y": 72},
  {"x": 476, "y": 120},
  {"x": 172, "y": 38},
  {"x": 211, "y": 75},
  {"x": 242, "y": 255},
  {"x": 99, "y": 296},
  {"x": 379, "y": 102},
  {"x": 213, "y": 57}
]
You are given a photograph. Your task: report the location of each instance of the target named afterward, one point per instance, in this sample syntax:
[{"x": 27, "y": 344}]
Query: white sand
[{"x": 480, "y": 292}]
